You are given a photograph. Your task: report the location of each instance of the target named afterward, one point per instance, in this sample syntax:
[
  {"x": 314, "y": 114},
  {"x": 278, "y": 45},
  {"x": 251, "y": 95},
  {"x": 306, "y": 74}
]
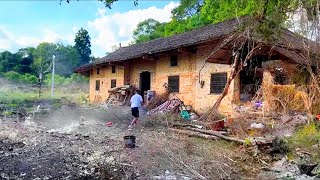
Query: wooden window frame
[
  {"x": 174, "y": 88},
  {"x": 218, "y": 82},
  {"x": 174, "y": 60},
  {"x": 113, "y": 69},
  {"x": 98, "y": 85},
  {"x": 113, "y": 83}
]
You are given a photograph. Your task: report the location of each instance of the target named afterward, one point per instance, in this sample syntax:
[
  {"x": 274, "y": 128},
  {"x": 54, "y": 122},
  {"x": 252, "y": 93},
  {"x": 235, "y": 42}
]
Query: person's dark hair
[{"x": 137, "y": 91}]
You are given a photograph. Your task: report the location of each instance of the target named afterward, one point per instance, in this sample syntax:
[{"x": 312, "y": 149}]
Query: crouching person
[{"x": 136, "y": 101}]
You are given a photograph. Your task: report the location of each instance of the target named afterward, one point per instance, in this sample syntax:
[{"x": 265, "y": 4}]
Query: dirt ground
[{"x": 54, "y": 145}]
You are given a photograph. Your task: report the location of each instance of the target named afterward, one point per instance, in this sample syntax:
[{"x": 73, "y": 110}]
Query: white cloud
[
  {"x": 12, "y": 42},
  {"x": 110, "y": 30}
]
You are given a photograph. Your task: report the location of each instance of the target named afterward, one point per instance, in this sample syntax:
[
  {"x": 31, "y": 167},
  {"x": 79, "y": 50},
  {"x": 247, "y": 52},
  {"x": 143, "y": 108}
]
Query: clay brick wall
[
  {"x": 204, "y": 100},
  {"x": 105, "y": 76},
  {"x": 190, "y": 90}
]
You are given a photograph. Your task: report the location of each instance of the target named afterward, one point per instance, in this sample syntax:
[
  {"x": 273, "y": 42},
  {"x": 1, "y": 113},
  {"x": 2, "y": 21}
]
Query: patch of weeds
[
  {"x": 306, "y": 138},
  {"x": 307, "y": 135}
]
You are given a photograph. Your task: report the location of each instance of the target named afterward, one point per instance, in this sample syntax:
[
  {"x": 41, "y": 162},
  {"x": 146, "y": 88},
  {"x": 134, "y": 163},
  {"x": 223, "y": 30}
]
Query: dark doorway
[
  {"x": 144, "y": 82},
  {"x": 251, "y": 79}
]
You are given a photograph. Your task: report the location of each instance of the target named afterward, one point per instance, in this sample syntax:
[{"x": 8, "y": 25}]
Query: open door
[{"x": 145, "y": 81}]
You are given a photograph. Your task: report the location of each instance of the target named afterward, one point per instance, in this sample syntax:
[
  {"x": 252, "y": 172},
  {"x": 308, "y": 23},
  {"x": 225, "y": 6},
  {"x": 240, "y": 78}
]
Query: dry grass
[{"x": 286, "y": 98}]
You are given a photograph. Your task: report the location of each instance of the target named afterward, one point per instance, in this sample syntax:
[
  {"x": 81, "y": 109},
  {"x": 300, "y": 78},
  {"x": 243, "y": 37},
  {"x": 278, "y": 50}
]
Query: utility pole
[{"x": 52, "y": 78}]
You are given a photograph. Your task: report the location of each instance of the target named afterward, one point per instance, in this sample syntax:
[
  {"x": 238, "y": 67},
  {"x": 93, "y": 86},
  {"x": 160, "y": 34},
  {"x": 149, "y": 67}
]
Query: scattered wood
[
  {"x": 193, "y": 134},
  {"x": 210, "y": 132},
  {"x": 157, "y": 100},
  {"x": 217, "y": 134}
]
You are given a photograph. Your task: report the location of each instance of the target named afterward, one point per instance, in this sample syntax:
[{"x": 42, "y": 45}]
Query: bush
[
  {"x": 28, "y": 78},
  {"x": 76, "y": 78},
  {"x": 12, "y": 76},
  {"x": 58, "y": 80},
  {"x": 20, "y": 78}
]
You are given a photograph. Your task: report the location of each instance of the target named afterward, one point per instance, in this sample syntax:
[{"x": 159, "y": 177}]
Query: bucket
[{"x": 129, "y": 141}]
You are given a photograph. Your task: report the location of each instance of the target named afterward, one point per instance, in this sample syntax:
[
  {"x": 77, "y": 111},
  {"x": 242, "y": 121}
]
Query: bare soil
[{"x": 53, "y": 145}]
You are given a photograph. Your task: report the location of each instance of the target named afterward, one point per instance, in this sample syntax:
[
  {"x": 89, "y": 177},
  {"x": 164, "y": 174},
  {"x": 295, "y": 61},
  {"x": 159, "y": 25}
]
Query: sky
[{"x": 28, "y": 23}]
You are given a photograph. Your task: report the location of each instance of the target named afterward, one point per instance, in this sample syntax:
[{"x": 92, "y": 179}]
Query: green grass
[
  {"x": 306, "y": 138},
  {"x": 13, "y": 98}
]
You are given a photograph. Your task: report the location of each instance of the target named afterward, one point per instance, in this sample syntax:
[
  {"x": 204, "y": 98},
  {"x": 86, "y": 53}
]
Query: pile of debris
[{"x": 120, "y": 95}]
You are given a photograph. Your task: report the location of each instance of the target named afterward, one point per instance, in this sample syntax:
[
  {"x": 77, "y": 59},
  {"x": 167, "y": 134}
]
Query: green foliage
[
  {"x": 20, "y": 78},
  {"x": 306, "y": 136},
  {"x": 187, "y": 8},
  {"x": 76, "y": 78},
  {"x": 82, "y": 44},
  {"x": 147, "y": 30},
  {"x": 12, "y": 76},
  {"x": 28, "y": 78},
  {"x": 67, "y": 59},
  {"x": 58, "y": 80}
]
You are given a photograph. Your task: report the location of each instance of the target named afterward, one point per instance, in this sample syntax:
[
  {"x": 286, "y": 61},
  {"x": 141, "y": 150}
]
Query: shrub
[
  {"x": 12, "y": 76},
  {"x": 76, "y": 78},
  {"x": 28, "y": 78},
  {"x": 58, "y": 80},
  {"x": 21, "y": 78},
  {"x": 308, "y": 135}
]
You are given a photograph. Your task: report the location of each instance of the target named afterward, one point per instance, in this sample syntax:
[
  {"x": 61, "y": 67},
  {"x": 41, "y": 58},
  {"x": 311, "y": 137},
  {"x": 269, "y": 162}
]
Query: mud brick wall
[
  {"x": 204, "y": 100},
  {"x": 105, "y": 76},
  {"x": 190, "y": 91}
]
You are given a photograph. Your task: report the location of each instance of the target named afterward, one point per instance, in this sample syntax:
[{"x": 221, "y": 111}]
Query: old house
[{"x": 195, "y": 65}]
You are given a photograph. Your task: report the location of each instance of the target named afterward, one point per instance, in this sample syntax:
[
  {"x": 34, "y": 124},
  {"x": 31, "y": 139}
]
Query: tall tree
[
  {"x": 67, "y": 58},
  {"x": 82, "y": 44},
  {"x": 42, "y": 63},
  {"x": 147, "y": 30}
]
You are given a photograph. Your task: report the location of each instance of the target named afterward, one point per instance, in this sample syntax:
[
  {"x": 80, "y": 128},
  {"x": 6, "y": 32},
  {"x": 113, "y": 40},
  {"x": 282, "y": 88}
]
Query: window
[
  {"x": 174, "y": 60},
  {"x": 113, "y": 69},
  {"x": 97, "y": 85},
  {"x": 173, "y": 82},
  {"x": 98, "y": 70},
  {"x": 218, "y": 82},
  {"x": 113, "y": 83}
]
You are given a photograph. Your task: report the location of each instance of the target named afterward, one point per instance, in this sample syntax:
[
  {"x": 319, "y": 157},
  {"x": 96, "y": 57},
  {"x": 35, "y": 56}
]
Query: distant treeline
[{"x": 25, "y": 65}]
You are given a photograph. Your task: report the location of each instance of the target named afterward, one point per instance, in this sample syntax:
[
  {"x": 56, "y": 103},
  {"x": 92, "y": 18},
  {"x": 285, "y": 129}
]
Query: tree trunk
[{"x": 234, "y": 71}]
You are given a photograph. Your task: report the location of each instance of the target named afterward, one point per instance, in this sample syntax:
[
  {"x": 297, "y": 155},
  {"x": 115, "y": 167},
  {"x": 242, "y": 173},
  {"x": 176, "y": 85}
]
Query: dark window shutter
[
  {"x": 173, "y": 82},
  {"x": 218, "y": 82},
  {"x": 113, "y": 83},
  {"x": 97, "y": 85},
  {"x": 174, "y": 60}
]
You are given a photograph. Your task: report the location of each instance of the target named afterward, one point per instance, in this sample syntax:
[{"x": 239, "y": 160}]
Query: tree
[
  {"x": 42, "y": 63},
  {"x": 82, "y": 44},
  {"x": 67, "y": 58},
  {"x": 187, "y": 8},
  {"x": 147, "y": 30}
]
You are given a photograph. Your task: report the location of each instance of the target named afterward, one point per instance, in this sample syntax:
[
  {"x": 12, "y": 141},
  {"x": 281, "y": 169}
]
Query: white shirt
[{"x": 136, "y": 100}]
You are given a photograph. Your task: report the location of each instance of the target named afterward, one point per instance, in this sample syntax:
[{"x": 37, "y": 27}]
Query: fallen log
[
  {"x": 194, "y": 126},
  {"x": 193, "y": 134},
  {"x": 210, "y": 132},
  {"x": 214, "y": 133}
]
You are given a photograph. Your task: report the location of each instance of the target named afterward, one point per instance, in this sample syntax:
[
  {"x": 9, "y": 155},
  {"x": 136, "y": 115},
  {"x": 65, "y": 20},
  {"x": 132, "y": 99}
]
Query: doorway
[
  {"x": 145, "y": 81},
  {"x": 250, "y": 79}
]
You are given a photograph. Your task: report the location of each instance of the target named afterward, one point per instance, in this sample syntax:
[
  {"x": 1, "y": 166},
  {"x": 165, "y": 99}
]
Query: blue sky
[{"x": 28, "y": 23}]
